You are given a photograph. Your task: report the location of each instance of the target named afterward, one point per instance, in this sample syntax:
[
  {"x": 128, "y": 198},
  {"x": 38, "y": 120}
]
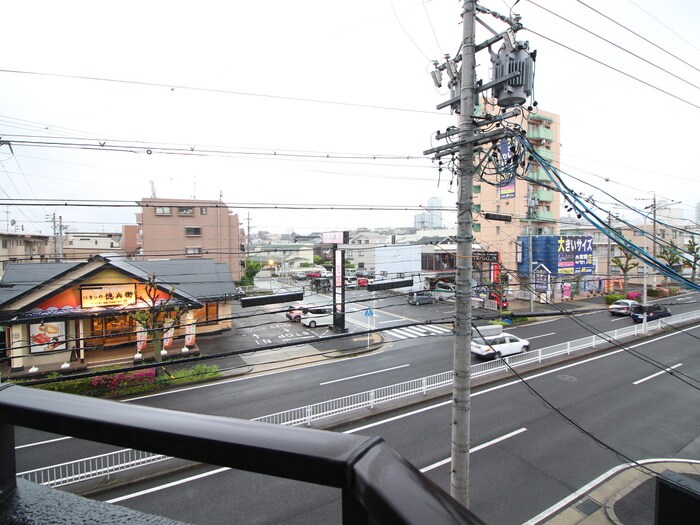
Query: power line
[
  {"x": 600, "y": 62},
  {"x": 212, "y": 90},
  {"x": 614, "y": 44}
]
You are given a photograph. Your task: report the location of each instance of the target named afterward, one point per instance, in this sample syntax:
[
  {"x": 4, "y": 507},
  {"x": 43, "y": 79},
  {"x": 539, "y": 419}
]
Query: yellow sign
[{"x": 109, "y": 295}]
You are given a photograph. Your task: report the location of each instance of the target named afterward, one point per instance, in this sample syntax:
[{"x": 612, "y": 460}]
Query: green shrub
[
  {"x": 674, "y": 290},
  {"x": 612, "y": 297},
  {"x": 129, "y": 383}
]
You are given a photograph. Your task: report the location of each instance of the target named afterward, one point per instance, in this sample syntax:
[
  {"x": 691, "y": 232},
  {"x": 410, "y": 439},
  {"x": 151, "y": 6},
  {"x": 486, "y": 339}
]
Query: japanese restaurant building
[{"x": 66, "y": 315}]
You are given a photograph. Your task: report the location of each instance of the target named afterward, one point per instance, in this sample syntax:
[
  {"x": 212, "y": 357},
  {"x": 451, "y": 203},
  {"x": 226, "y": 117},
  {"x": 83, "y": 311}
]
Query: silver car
[{"x": 623, "y": 307}]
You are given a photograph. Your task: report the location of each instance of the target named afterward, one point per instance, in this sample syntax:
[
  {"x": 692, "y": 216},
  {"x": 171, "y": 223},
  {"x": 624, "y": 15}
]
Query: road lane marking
[
  {"x": 43, "y": 442},
  {"x": 476, "y": 449},
  {"x": 543, "y": 335},
  {"x": 167, "y": 485},
  {"x": 652, "y": 376},
  {"x": 363, "y": 375}
]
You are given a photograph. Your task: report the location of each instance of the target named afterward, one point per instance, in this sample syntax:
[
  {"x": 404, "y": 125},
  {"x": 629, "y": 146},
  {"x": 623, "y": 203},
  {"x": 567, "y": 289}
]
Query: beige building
[
  {"x": 190, "y": 229},
  {"x": 533, "y": 206},
  {"x": 21, "y": 247},
  {"x": 83, "y": 245}
]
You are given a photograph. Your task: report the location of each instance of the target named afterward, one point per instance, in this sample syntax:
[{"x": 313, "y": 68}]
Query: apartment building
[
  {"x": 533, "y": 206},
  {"x": 189, "y": 228},
  {"x": 83, "y": 245},
  {"x": 24, "y": 247}
]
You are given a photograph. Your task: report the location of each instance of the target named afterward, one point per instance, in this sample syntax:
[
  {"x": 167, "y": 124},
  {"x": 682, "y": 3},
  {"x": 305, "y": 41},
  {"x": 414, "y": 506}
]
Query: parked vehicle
[
  {"x": 623, "y": 307},
  {"x": 317, "y": 316},
  {"x": 422, "y": 297},
  {"x": 653, "y": 311},
  {"x": 351, "y": 282},
  {"x": 362, "y": 282},
  {"x": 294, "y": 312},
  {"x": 502, "y": 344},
  {"x": 445, "y": 291}
]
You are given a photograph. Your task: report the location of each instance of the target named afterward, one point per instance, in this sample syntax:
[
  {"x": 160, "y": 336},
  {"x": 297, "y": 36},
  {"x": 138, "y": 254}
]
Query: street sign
[{"x": 369, "y": 313}]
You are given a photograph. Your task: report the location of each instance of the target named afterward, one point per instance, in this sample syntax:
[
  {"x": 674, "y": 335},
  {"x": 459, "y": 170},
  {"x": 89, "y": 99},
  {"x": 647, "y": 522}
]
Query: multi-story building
[
  {"x": 21, "y": 247},
  {"x": 83, "y": 245},
  {"x": 188, "y": 228},
  {"x": 430, "y": 219},
  {"x": 534, "y": 207}
]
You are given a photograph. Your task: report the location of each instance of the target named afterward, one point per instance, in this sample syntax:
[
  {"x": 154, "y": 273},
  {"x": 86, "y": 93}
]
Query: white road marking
[
  {"x": 476, "y": 449},
  {"x": 652, "y": 376},
  {"x": 167, "y": 485},
  {"x": 363, "y": 375},
  {"x": 543, "y": 335},
  {"x": 43, "y": 442}
]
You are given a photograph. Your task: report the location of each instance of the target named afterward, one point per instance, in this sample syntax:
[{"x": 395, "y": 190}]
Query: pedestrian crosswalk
[{"x": 411, "y": 332}]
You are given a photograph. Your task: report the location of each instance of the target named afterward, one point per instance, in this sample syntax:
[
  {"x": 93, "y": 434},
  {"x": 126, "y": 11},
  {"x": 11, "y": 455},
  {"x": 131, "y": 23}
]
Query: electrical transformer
[{"x": 513, "y": 59}]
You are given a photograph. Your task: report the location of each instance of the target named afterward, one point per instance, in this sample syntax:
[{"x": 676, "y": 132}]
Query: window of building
[
  {"x": 361, "y": 253},
  {"x": 4, "y": 243},
  {"x": 203, "y": 211},
  {"x": 476, "y": 227},
  {"x": 193, "y": 231},
  {"x": 498, "y": 230},
  {"x": 476, "y": 188},
  {"x": 193, "y": 250},
  {"x": 477, "y": 208},
  {"x": 163, "y": 210},
  {"x": 185, "y": 210}
]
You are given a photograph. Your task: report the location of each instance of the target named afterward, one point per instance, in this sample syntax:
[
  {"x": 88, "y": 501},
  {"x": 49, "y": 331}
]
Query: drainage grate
[{"x": 588, "y": 506}]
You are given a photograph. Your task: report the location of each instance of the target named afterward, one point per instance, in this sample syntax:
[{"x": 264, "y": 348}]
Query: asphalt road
[
  {"x": 525, "y": 456},
  {"x": 424, "y": 442}
]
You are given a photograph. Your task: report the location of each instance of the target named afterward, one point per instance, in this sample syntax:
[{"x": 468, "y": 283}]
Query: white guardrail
[
  {"x": 90, "y": 468},
  {"x": 106, "y": 464}
]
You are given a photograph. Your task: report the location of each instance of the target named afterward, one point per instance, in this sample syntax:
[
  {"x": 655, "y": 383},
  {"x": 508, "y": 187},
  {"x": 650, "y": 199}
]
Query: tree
[
  {"x": 626, "y": 263},
  {"x": 251, "y": 269},
  {"x": 670, "y": 256},
  {"x": 693, "y": 249},
  {"x": 159, "y": 315},
  {"x": 318, "y": 260}
]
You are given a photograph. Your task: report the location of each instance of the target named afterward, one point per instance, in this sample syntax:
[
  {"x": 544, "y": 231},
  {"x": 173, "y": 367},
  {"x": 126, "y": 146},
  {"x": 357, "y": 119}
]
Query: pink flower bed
[
  {"x": 634, "y": 296},
  {"x": 114, "y": 382}
]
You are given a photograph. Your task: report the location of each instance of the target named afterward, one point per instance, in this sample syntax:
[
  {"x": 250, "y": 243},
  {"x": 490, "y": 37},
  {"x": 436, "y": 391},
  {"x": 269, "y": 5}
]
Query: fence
[
  {"x": 370, "y": 399},
  {"x": 90, "y": 468},
  {"x": 349, "y": 463}
]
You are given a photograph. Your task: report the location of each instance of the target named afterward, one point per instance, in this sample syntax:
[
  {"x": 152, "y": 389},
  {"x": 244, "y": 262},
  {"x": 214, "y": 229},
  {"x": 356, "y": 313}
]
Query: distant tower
[{"x": 435, "y": 213}]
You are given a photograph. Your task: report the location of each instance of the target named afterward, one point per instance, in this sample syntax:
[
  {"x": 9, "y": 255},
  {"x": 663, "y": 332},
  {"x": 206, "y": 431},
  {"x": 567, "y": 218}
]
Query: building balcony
[
  {"x": 545, "y": 153},
  {"x": 538, "y": 174},
  {"x": 544, "y": 195},
  {"x": 377, "y": 485},
  {"x": 540, "y": 118},
  {"x": 543, "y": 215},
  {"x": 540, "y": 133}
]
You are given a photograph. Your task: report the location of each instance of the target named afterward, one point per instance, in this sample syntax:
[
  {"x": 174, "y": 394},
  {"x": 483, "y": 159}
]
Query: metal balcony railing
[{"x": 377, "y": 485}]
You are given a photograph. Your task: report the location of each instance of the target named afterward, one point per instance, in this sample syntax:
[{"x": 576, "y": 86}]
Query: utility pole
[
  {"x": 513, "y": 78},
  {"x": 461, "y": 389}
]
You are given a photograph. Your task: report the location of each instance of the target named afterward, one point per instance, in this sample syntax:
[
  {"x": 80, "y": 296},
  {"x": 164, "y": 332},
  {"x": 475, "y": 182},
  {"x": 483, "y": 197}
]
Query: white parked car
[
  {"x": 317, "y": 316},
  {"x": 503, "y": 344}
]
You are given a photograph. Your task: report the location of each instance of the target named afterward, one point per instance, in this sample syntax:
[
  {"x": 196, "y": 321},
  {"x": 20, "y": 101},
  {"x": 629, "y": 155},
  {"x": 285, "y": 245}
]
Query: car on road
[
  {"x": 422, "y": 297},
  {"x": 317, "y": 316},
  {"x": 502, "y": 344},
  {"x": 362, "y": 281},
  {"x": 294, "y": 312},
  {"x": 623, "y": 307},
  {"x": 653, "y": 311}
]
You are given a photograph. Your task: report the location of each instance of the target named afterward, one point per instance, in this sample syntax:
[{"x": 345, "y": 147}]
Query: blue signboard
[{"x": 562, "y": 254}]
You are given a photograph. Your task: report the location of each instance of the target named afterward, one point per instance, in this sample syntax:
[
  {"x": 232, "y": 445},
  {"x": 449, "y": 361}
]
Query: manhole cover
[{"x": 587, "y": 506}]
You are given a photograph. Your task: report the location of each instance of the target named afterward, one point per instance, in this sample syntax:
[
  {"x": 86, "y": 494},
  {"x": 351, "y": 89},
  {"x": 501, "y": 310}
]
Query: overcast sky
[{"x": 319, "y": 103}]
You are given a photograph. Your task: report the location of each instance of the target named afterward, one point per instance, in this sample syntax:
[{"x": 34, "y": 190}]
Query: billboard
[{"x": 574, "y": 255}]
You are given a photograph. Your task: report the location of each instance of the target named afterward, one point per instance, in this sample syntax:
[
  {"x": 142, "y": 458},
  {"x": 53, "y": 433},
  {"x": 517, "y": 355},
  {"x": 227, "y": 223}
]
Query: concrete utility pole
[{"x": 459, "y": 478}]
